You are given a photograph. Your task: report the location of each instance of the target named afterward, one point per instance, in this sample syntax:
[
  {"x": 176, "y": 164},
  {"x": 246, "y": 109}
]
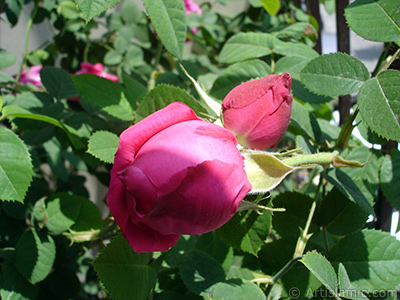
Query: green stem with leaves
[
  {"x": 390, "y": 61},
  {"x": 304, "y": 235},
  {"x": 345, "y": 132}
]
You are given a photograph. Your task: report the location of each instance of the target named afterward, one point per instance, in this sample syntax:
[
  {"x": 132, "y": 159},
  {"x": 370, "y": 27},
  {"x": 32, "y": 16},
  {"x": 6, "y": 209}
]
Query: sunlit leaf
[
  {"x": 334, "y": 74},
  {"x": 379, "y": 104},
  {"x": 385, "y": 16},
  {"x": 169, "y": 20},
  {"x": 15, "y": 167}
]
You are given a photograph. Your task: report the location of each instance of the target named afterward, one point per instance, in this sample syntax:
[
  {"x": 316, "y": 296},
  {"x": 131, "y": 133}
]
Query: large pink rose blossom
[
  {"x": 96, "y": 69},
  {"x": 258, "y": 111},
  {"x": 32, "y": 76},
  {"x": 174, "y": 174}
]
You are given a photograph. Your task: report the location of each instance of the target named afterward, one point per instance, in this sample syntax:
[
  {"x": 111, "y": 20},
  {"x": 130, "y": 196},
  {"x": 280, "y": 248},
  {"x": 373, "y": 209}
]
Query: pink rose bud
[
  {"x": 33, "y": 76},
  {"x": 174, "y": 174},
  {"x": 258, "y": 111}
]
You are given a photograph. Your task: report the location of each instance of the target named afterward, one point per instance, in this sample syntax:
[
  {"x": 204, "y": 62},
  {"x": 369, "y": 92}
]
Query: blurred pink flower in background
[
  {"x": 192, "y": 7},
  {"x": 33, "y": 76},
  {"x": 96, "y": 69}
]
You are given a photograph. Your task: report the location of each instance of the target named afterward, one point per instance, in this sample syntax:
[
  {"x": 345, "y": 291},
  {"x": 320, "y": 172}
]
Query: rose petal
[
  {"x": 184, "y": 145},
  {"x": 144, "y": 239},
  {"x": 141, "y": 188},
  {"x": 206, "y": 198},
  {"x": 132, "y": 139}
]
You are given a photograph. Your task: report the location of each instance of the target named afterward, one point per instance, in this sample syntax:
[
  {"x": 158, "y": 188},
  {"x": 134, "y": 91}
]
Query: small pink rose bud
[{"x": 258, "y": 111}]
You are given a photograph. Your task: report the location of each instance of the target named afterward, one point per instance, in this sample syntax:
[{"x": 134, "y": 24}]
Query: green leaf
[
  {"x": 264, "y": 171},
  {"x": 237, "y": 74},
  {"x": 62, "y": 211},
  {"x": 371, "y": 259},
  {"x": 379, "y": 105},
  {"x": 235, "y": 289},
  {"x": 306, "y": 121},
  {"x": 390, "y": 176},
  {"x": 63, "y": 281},
  {"x": 346, "y": 289},
  {"x": 112, "y": 58},
  {"x": 330, "y": 132},
  {"x": 68, "y": 10},
  {"x": 10, "y": 111},
  {"x": 58, "y": 82},
  {"x": 275, "y": 255},
  {"x": 303, "y": 143},
  {"x": 169, "y": 20},
  {"x": 14, "y": 286},
  {"x": 300, "y": 92},
  {"x": 288, "y": 223},
  {"x": 243, "y": 46},
  {"x": 334, "y": 74},
  {"x": 161, "y": 96},
  {"x": 255, "y": 3},
  {"x": 15, "y": 167},
  {"x": 385, "y": 13},
  {"x": 340, "y": 216},
  {"x": 5, "y": 78},
  {"x": 134, "y": 91},
  {"x": 38, "y": 103},
  {"x": 271, "y": 6},
  {"x": 247, "y": 230},
  {"x": 89, "y": 217},
  {"x": 295, "y": 50},
  {"x": 130, "y": 12},
  {"x": 39, "y": 213},
  {"x": 92, "y": 8},
  {"x": 322, "y": 269},
  {"x": 295, "y": 31},
  {"x": 38, "y": 56},
  {"x": 200, "y": 271},
  {"x": 103, "y": 145},
  {"x": 213, "y": 245},
  {"x": 373, "y": 161},
  {"x": 7, "y": 58},
  {"x": 134, "y": 57},
  {"x": 124, "y": 273},
  {"x": 35, "y": 253},
  {"x": 105, "y": 94},
  {"x": 348, "y": 187},
  {"x": 290, "y": 64},
  {"x": 367, "y": 133}
]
